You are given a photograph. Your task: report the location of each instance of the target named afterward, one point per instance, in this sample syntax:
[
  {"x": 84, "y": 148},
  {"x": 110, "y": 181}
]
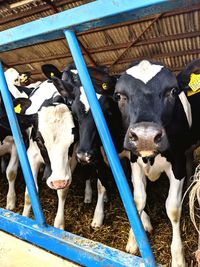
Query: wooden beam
[
  {"x": 146, "y": 42},
  {"x": 87, "y": 54},
  {"x": 135, "y": 40},
  {"x": 111, "y": 48},
  {"x": 33, "y": 11},
  {"x": 154, "y": 57},
  {"x": 52, "y": 6}
]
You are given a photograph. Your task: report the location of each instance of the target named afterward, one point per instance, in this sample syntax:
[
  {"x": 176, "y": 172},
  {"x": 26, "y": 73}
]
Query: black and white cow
[
  {"x": 7, "y": 146},
  {"x": 158, "y": 120},
  {"x": 189, "y": 82},
  {"x": 51, "y": 135}
]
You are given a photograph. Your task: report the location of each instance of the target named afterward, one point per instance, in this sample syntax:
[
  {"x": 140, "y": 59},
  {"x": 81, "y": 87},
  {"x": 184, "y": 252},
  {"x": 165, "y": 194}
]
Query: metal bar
[
  {"x": 112, "y": 156},
  {"x": 21, "y": 150},
  {"x": 94, "y": 14},
  {"x": 72, "y": 247},
  {"x": 179, "y": 11}
]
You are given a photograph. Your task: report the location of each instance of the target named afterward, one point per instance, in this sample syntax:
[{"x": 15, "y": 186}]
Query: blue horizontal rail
[
  {"x": 75, "y": 248},
  {"x": 92, "y": 15}
]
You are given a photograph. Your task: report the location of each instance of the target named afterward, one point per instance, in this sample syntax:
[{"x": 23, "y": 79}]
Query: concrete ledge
[{"x": 17, "y": 253}]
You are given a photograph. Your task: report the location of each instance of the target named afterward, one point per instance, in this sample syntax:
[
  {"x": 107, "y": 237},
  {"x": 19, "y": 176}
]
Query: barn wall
[{"x": 17, "y": 253}]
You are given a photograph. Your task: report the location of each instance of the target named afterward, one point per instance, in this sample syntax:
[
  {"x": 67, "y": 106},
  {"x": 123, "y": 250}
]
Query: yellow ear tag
[
  {"x": 24, "y": 79},
  {"x": 52, "y": 74},
  {"x": 18, "y": 108},
  {"x": 194, "y": 84},
  {"x": 104, "y": 86}
]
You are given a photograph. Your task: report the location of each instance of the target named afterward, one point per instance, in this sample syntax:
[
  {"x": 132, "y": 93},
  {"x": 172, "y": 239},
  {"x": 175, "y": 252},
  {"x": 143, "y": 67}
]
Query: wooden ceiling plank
[{"x": 135, "y": 40}]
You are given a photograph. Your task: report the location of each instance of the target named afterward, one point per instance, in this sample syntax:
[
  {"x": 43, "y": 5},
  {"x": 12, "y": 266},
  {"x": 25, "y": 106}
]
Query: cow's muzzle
[
  {"x": 146, "y": 139},
  {"x": 58, "y": 184},
  {"x": 85, "y": 157}
]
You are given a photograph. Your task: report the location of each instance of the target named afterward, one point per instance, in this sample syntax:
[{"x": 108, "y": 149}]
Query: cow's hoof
[
  {"x": 60, "y": 225},
  {"x": 10, "y": 206},
  {"x": 11, "y": 202},
  {"x": 178, "y": 259},
  {"x": 105, "y": 198},
  {"x": 131, "y": 247},
  {"x": 97, "y": 222},
  {"x": 146, "y": 222},
  {"x": 88, "y": 199}
]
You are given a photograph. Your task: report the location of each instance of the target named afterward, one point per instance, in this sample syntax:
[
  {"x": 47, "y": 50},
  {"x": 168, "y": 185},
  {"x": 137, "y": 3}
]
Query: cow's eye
[
  {"x": 119, "y": 97},
  {"x": 173, "y": 92}
]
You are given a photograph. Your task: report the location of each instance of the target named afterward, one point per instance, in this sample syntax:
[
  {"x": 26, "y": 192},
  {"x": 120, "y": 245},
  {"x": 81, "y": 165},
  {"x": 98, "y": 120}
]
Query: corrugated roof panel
[{"x": 173, "y": 39}]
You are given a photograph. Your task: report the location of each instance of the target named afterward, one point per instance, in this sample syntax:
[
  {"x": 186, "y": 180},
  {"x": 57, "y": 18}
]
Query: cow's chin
[
  {"x": 144, "y": 153},
  {"x": 147, "y": 153}
]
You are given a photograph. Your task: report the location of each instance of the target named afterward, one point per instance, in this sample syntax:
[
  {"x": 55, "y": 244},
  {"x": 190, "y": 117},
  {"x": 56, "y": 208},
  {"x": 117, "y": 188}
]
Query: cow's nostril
[
  {"x": 158, "y": 138},
  {"x": 133, "y": 136},
  {"x": 59, "y": 184},
  {"x": 84, "y": 157}
]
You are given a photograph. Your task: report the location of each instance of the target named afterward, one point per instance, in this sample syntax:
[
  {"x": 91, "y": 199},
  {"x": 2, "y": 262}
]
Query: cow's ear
[
  {"x": 21, "y": 104},
  {"x": 50, "y": 71},
  {"x": 28, "y": 74},
  {"x": 66, "y": 89}
]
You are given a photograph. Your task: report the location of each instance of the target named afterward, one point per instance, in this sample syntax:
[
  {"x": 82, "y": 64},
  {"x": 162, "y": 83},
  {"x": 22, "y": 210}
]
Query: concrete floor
[{"x": 17, "y": 253}]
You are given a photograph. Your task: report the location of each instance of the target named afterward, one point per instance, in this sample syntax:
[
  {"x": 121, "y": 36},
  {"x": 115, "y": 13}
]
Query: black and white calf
[
  {"x": 50, "y": 137},
  {"x": 158, "y": 120}
]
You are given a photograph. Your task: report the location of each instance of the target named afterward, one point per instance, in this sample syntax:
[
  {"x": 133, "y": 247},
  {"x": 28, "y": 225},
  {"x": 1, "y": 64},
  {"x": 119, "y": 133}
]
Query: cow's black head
[
  {"x": 88, "y": 150},
  {"x": 146, "y": 95}
]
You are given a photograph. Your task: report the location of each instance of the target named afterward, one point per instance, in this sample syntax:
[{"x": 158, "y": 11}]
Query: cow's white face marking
[
  {"x": 74, "y": 71},
  {"x": 144, "y": 71},
  {"x": 55, "y": 124},
  {"x": 84, "y": 100},
  {"x": 11, "y": 75},
  {"x": 13, "y": 78}
]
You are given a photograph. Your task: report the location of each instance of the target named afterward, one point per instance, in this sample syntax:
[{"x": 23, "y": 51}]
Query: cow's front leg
[
  {"x": 173, "y": 207},
  {"x": 88, "y": 192},
  {"x": 99, "y": 210},
  {"x": 11, "y": 174},
  {"x": 59, "y": 221},
  {"x": 35, "y": 160},
  {"x": 139, "y": 185}
]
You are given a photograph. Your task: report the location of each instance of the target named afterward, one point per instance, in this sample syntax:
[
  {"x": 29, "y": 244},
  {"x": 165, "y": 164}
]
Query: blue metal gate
[{"x": 70, "y": 246}]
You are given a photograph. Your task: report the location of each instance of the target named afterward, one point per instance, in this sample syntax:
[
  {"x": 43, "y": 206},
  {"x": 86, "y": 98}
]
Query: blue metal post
[
  {"x": 112, "y": 156},
  {"x": 21, "y": 149}
]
